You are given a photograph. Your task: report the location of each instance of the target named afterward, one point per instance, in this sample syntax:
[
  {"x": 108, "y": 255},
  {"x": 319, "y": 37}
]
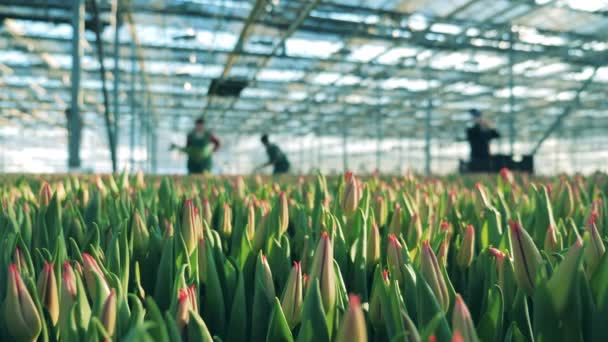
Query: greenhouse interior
[
  {"x": 304, "y": 170},
  {"x": 358, "y": 85}
]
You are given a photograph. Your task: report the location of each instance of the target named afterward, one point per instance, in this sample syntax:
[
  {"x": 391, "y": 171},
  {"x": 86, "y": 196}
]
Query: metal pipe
[
  {"x": 132, "y": 105},
  {"x": 512, "y": 113},
  {"x": 73, "y": 116},
  {"x": 427, "y": 137},
  {"x": 117, "y": 22}
]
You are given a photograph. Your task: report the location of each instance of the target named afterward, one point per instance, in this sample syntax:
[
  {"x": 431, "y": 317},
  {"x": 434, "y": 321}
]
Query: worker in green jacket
[
  {"x": 276, "y": 157},
  {"x": 200, "y": 146}
]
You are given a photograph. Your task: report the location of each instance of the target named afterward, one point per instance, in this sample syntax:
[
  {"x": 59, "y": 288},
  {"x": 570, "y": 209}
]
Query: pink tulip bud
[
  {"x": 351, "y": 195},
  {"x": 433, "y": 275},
  {"x": 353, "y": 328},
  {"x": 394, "y": 258},
  {"x": 526, "y": 258},
  {"x": 323, "y": 270},
  {"x": 283, "y": 213},
  {"x": 595, "y": 247},
  {"x": 226, "y": 224},
  {"x": 395, "y": 226},
  {"x": 292, "y": 300},
  {"x": 551, "y": 243},
  {"x": 207, "y": 214},
  {"x": 47, "y": 291},
  {"x": 92, "y": 271},
  {"x": 191, "y": 225},
  {"x": 462, "y": 321},
  {"x": 108, "y": 313},
  {"x": 45, "y": 195},
  {"x": 373, "y": 246},
  {"x": 467, "y": 248},
  {"x": 22, "y": 319},
  {"x": 380, "y": 211}
]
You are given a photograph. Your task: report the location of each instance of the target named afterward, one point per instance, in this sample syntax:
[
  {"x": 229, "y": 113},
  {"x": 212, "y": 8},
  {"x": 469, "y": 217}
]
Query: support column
[
  {"x": 153, "y": 137},
  {"x": 117, "y": 23},
  {"x": 132, "y": 105},
  {"x": 344, "y": 145},
  {"x": 74, "y": 119},
  {"x": 512, "y": 113},
  {"x": 378, "y": 141},
  {"x": 427, "y": 138}
]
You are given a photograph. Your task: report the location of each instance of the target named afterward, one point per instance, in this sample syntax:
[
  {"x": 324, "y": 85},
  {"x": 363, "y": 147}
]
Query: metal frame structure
[{"x": 323, "y": 67}]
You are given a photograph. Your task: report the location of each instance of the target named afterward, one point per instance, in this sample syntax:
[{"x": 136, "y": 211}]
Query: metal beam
[
  {"x": 566, "y": 112},
  {"x": 102, "y": 73}
]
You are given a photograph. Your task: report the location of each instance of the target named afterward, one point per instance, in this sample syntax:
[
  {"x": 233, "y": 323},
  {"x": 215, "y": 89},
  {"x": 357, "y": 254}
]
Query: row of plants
[{"x": 130, "y": 258}]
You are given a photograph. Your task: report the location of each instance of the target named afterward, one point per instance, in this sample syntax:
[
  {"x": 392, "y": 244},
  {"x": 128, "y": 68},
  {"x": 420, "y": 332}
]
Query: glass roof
[{"x": 309, "y": 64}]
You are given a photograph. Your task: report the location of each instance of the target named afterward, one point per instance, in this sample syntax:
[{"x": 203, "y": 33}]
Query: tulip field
[{"x": 131, "y": 258}]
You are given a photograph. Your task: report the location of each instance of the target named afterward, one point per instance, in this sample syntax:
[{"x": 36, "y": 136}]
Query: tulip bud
[
  {"x": 226, "y": 223},
  {"x": 507, "y": 176},
  {"x": 168, "y": 231},
  {"x": 395, "y": 225},
  {"x": 20, "y": 314},
  {"x": 68, "y": 285},
  {"x": 240, "y": 187},
  {"x": 250, "y": 221},
  {"x": 139, "y": 179},
  {"x": 47, "y": 291},
  {"x": 394, "y": 258},
  {"x": 351, "y": 194},
  {"x": 551, "y": 243},
  {"x": 467, "y": 248},
  {"x": 92, "y": 271},
  {"x": 414, "y": 232},
  {"x": 380, "y": 211},
  {"x": 373, "y": 246},
  {"x": 191, "y": 225},
  {"x": 462, "y": 322},
  {"x": 268, "y": 283},
  {"x": 291, "y": 303},
  {"x": 526, "y": 258},
  {"x": 500, "y": 265},
  {"x": 457, "y": 336},
  {"x": 442, "y": 255},
  {"x": 182, "y": 316},
  {"x": 595, "y": 250},
  {"x": 283, "y": 213},
  {"x": 141, "y": 235},
  {"x": 433, "y": 275},
  {"x": 45, "y": 195},
  {"x": 108, "y": 313},
  {"x": 323, "y": 270},
  {"x": 353, "y": 328},
  {"x": 20, "y": 262},
  {"x": 207, "y": 213}
]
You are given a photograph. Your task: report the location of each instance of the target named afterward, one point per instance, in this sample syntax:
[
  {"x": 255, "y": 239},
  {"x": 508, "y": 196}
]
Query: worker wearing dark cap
[
  {"x": 479, "y": 137},
  {"x": 276, "y": 157},
  {"x": 200, "y": 146}
]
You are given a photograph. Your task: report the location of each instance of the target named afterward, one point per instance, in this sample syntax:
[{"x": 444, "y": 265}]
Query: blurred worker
[
  {"x": 276, "y": 157},
  {"x": 200, "y": 146},
  {"x": 479, "y": 137},
  {"x": 74, "y": 127}
]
